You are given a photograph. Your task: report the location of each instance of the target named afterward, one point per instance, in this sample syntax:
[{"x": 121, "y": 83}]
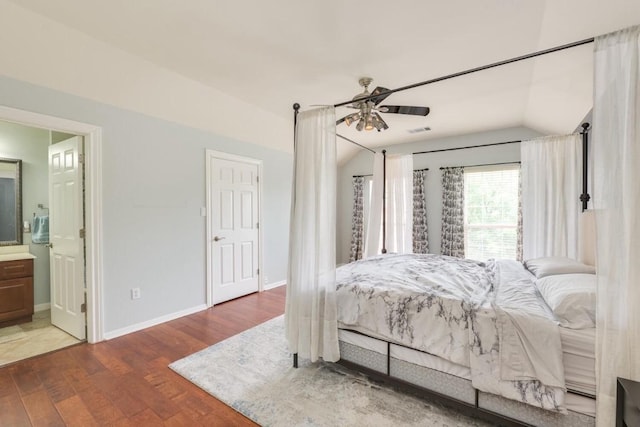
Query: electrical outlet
[
  {"x": 135, "y": 293},
  {"x": 266, "y": 280}
]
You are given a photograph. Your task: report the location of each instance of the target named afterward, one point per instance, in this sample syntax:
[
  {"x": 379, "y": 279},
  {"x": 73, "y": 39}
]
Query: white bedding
[
  {"x": 578, "y": 356},
  {"x": 464, "y": 312}
]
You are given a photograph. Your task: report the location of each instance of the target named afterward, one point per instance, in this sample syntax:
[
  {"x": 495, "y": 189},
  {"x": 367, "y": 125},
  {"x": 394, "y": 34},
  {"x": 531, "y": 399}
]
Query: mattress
[{"x": 578, "y": 358}]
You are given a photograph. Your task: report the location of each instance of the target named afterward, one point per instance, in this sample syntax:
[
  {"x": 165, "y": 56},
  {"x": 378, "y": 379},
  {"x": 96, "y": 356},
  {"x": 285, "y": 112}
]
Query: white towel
[{"x": 40, "y": 229}]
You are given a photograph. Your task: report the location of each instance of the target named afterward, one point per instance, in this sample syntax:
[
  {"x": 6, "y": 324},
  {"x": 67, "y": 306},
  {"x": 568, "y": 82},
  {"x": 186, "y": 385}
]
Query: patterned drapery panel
[
  {"x": 452, "y": 239},
  {"x": 519, "y": 241},
  {"x": 357, "y": 220},
  {"x": 420, "y": 238}
]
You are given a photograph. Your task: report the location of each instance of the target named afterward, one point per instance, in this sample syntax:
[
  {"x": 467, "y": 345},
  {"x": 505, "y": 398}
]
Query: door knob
[
  {"x": 215, "y": 239},
  {"x": 49, "y": 245}
]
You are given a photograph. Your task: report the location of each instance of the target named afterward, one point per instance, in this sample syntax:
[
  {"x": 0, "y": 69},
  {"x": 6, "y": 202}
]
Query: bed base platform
[{"x": 376, "y": 360}]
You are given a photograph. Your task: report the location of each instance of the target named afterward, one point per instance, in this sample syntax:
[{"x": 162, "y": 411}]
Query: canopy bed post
[
  {"x": 384, "y": 201},
  {"x": 585, "y": 197},
  {"x": 296, "y": 110}
]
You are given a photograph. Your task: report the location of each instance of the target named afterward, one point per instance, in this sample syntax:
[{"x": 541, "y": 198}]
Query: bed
[{"x": 499, "y": 339}]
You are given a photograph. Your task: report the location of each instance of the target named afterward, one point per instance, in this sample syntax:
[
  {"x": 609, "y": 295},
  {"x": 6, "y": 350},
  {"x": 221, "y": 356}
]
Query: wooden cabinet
[{"x": 16, "y": 291}]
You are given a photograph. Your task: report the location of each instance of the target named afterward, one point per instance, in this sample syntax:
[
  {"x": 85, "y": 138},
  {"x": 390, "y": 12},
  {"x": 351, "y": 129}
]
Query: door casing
[{"x": 93, "y": 204}]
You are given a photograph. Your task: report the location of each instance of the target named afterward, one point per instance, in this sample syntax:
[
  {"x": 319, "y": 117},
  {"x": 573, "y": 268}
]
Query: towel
[{"x": 40, "y": 229}]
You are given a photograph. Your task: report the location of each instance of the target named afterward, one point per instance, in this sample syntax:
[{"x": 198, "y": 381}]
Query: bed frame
[{"x": 450, "y": 390}]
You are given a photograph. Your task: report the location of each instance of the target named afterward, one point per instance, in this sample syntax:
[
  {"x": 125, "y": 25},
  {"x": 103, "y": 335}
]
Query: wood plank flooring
[{"x": 126, "y": 381}]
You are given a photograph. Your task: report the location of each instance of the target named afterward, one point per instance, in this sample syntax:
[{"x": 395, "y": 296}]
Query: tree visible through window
[{"x": 491, "y": 211}]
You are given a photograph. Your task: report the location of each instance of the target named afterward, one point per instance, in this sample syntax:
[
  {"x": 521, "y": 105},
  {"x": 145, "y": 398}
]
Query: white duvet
[{"x": 487, "y": 316}]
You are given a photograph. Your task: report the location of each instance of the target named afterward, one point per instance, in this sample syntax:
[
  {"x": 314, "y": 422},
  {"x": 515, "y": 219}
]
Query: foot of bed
[{"x": 295, "y": 360}]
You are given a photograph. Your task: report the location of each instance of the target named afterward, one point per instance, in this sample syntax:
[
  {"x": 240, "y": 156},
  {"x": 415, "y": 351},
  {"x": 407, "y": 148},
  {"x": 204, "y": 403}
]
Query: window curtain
[
  {"x": 616, "y": 202},
  {"x": 519, "y": 235},
  {"x": 357, "y": 220},
  {"x": 551, "y": 182},
  {"x": 310, "y": 308},
  {"x": 420, "y": 237},
  {"x": 399, "y": 204},
  {"x": 373, "y": 241},
  {"x": 452, "y": 238}
]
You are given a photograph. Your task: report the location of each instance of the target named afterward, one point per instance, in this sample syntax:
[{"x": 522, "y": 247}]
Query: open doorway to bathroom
[{"x": 20, "y": 339}]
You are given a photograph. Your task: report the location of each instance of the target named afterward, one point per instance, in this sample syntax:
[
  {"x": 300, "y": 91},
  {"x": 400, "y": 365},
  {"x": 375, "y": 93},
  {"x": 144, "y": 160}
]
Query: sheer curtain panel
[
  {"x": 310, "y": 309},
  {"x": 551, "y": 174},
  {"x": 399, "y": 215},
  {"x": 616, "y": 202},
  {"x": 357, "y": 220},
  {"x": 452, "y": 236},
  {"x": 373, "y": 240}
]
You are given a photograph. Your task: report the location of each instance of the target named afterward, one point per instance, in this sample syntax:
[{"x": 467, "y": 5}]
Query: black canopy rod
[
  {"x": 486, "y": 164},
  {"x": 369, "y": 174},
  {"x": 466, "y": 147},
  {"x": 353, "y": 142},
  {"x": 585, "y": 197},
  {"x": 472, "y": 70}
]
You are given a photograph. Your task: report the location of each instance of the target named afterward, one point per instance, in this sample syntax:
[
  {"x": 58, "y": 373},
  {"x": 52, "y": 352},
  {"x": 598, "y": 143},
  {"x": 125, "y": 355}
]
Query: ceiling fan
[{"x": 368, "y": 116}]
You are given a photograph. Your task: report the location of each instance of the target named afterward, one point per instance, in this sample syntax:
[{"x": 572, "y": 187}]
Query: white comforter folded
[{"x": 487, "y": 316}]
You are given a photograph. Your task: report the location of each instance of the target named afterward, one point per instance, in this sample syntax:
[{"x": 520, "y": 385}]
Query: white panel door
[
  {"x": 234, "y": 236},
  {"x": 66, "y": 246}
]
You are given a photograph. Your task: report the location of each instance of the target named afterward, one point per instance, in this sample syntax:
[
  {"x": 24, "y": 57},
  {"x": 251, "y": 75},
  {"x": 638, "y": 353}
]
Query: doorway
[
  {"x": 92, "y": 230},
  {"x": 233, "y": 236}
]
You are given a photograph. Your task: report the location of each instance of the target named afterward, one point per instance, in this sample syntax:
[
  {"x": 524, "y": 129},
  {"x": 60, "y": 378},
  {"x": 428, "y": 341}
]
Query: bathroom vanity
[{"x": 16, "y": 285}]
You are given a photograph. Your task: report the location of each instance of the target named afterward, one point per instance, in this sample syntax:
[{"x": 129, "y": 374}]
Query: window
[{"x": 491, "y": 211}]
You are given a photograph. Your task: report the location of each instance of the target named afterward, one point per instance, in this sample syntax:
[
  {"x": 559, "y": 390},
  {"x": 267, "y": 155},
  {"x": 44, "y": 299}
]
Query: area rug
[{"x": 252, "y": 372}]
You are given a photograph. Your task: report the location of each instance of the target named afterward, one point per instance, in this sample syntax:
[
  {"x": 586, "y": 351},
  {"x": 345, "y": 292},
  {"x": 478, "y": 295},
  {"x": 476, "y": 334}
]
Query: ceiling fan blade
[
  {"x": 340, "y": 120},
  {"x": 378, "y": 99},
  {"x": 404, "y": 109}
]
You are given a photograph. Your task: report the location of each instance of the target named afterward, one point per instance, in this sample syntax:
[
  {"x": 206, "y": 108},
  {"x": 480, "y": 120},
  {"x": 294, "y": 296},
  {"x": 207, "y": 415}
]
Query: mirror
[{"x": 10, "y": 202}]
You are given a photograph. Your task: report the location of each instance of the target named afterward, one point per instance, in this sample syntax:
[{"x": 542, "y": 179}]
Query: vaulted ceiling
[{"x": 274, "y": 53}]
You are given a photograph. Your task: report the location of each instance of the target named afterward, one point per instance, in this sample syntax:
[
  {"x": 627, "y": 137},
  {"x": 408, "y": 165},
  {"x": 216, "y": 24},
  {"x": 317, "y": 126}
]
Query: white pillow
[
  {"x": 548, "y": 266},
  {"x": 572, "y": 297}
]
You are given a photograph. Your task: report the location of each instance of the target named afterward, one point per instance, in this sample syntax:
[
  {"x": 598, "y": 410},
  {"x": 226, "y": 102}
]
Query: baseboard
[
  {"x": 153, "y": 322},
  {"x": 41, "y": 307},
  {"x": 274, "y": 285}
]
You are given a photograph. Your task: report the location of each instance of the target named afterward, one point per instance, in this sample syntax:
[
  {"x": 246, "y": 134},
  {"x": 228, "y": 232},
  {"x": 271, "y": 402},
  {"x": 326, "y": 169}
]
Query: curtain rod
[
  {"x": 353, "y": 142},
  {"x": 473, "y": 70},
  {"x": 370, "y": 174},
  {"x": 468, "y": 146},
  {"x": 486, "y": 164}
]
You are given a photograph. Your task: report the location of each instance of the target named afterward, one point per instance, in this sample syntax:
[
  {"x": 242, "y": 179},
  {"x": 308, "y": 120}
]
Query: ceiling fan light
[
  {"x": 351, "y": 118},
  {"x": 360, "y": 125},
  {"x": 379, "y": 123},
  {"x": 369, "y": 123}
]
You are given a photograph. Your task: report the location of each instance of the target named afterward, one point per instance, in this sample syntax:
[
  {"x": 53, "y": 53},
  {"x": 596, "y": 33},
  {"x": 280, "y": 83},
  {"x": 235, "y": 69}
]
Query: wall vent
[{"x": 418, "y": 130}]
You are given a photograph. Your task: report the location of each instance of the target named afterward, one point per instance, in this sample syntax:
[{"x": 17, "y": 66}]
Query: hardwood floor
[{"x": 126, "y": 381}]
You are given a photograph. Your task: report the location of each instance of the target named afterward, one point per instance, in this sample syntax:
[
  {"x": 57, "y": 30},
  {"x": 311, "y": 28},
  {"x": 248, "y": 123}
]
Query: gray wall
[
  {"x": 361, "y": 164},
  {"x": 153, "y": 189}
]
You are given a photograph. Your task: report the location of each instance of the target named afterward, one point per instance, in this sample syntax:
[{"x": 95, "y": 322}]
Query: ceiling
[{"x": 272, "y": 54}]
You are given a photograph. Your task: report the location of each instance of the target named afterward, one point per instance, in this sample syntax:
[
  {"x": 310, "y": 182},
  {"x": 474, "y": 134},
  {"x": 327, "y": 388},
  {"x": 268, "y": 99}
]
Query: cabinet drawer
[
  {"x": 16, "y": 298},
  {"x": 15, "y": 269}
]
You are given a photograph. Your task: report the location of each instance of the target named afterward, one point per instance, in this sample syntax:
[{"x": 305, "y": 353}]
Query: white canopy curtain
[
  {"x": 373, "y": 239},
  {"x": 399, "y": 206},
  {"x": 310, "y": 309},
  {"x": 551, "y": 171},
  {"x": 616, "y": 198}
]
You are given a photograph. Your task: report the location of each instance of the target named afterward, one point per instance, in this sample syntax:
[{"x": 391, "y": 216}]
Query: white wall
[
  {"x": 30, "y": 146},
  {"x": 361, "y": 164}
]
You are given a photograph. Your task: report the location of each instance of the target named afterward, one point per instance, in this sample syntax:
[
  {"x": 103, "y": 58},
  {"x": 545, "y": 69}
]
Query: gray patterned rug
[{"x": 252, "y": 373}]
